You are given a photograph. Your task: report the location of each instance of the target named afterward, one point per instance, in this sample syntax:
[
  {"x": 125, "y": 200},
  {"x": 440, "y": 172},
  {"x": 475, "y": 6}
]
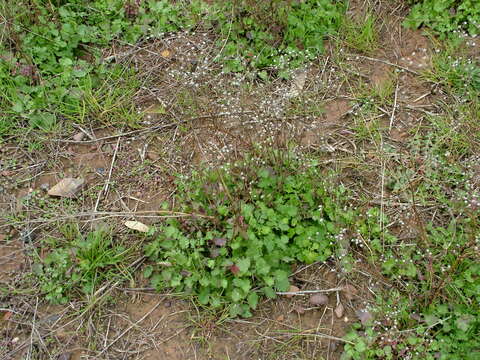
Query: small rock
[
  {"x": 45, "y": 187},
  {"x": 100, "y": 171},
  {"x": 293, "y": 288},
  {"x": 318, "y": 299},
  {"x": 220, "y": 241},
  {"x": 79, "y": 136},
  {"x": 153, "y": 156},
  {"x": 67, "y": 187},
  {"x": 214, "y": 253},
  {"x": 333, "y": 346},
  {"x": 27, "y": 236},
  {"x": 364, "y": 316},
  {"x": 339, "y": 310}
]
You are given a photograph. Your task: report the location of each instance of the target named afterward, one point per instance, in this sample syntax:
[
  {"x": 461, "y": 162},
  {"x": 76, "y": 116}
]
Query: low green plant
[
  {"x": 446, "y": 17},
  {"x": 49, "y": 59},
  {"x": 51, "y": 65},
  {"x": 274, "y": 36},
  {"x": 431, "y": 310},
  {"x": 440, "y": 173},
  {"x": 362, "y": 34},
  {"x": 459, "y": 76},
  {"x": 83, "y": 266},
  {"x": 256, "y": 219}
]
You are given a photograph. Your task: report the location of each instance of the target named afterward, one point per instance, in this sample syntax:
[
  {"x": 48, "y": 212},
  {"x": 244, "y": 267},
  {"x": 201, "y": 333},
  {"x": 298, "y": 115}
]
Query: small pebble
[
  {"x": 27, "y": 236},
  {"x": 100, "y": 171},
  {"x": 79, "y": 136},
  {"x": 318, "y": 299}
]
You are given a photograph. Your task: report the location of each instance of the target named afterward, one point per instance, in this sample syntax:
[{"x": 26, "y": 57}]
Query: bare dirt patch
[{"x": 11, "y": 257}]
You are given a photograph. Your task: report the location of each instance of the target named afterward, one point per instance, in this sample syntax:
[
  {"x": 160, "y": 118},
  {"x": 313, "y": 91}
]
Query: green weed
[
  {"x": 49, "y": 60},
  {"x": 258, "y": 218},
  {"x": 430, "y": 309},
  {"x": 446, "y": 17},
  {"x": 82, "y": 266},
  {"x": 362, "y": 35},
  {"x": 274, "y": 36},
  {"x": 460, "y": 76},
  {"x": 437, "y": 311}
]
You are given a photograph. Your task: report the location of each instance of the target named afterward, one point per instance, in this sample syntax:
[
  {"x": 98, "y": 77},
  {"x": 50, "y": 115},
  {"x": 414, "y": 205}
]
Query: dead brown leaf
[
  {"x": 339, "y": 310},
  {"x": 7, "y": 315},
  {"x": 137, "y": 225},
  {"x": 67, "y": 187},
  {"x": 292, "y": 289}
]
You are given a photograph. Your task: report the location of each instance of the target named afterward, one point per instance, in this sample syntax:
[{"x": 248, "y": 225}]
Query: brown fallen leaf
[
  {"x": 67, "y": 187},
  {"x": 137, "y": 225},
  {"x": 292, "y": 289},
  {"x": 318, "y": 299},
  {"x": 7, "y": 315},
  {"x": 339, "y": 310},
  {"x": 298, "y": 83}
]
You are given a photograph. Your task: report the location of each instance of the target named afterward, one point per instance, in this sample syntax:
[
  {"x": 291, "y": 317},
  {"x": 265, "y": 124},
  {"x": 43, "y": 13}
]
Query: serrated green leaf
[
  {"x": 236, "y": 295},
  {"x": 42, "y": 120},
  {"x": 147, "y": 272},
  {"x": 243, "y": 284},
  {"x": 204, "y": 296},
  {"x": 281, "y": 280},
  {"x": 243, "y": 264},
  {"x": 252, "y": 300},
  {"x": 269, "y": 292}
]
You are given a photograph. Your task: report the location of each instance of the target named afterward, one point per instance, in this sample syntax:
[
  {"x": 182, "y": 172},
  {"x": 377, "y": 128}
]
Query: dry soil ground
[{"x": 194, "y": 116}]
